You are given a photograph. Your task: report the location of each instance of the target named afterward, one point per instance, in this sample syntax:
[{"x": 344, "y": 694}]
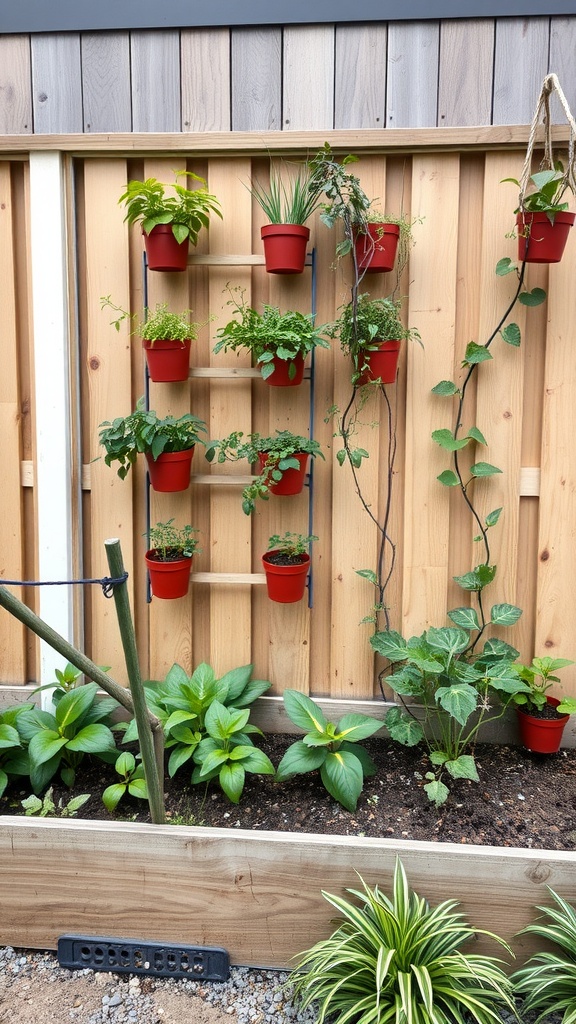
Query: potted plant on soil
[
  {"x": 279, "y": 342},
  {"x": 542, "y": 219},
  {"x": 169, "y": 559},
  {"x": 288, "y": 202},
  {"x": 286, "y": 565},
  {"x": 166, "y": 339},
  {"x": 542, "y": 717},
  {"x": 370, "y": 332},
  {"x": 282, "y": 462},
  {"x": 171, "y": 217},
  {"x": 167, "y": 443}
]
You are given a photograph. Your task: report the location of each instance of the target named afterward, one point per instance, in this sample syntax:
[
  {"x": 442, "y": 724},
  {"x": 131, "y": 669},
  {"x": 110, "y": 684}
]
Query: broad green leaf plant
[
  {"x": 131, "y": 781},
  {"x": 332, "y": 749},
  {"x": 397, "y": 960}
]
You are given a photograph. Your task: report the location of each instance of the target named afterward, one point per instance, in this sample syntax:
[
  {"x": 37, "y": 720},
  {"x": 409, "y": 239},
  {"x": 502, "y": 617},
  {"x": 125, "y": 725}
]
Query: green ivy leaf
[
  {"x": 437, "y": 792},
  {"x": 403, "y": 728},
  {"x": 493, "y": 517},
  {"x": 465, "y": 617},
  {"x": 511, "y": 335},
  {"x": 445, "y": 438},
  {"x": 484, "y": 469},
  {"x": 477, "y": 435},
  {"x": 448, "y": 478},
  {"x": 341, "y": 456},
  {"x": 479, "y": 578},
  {"x": 390, "y": 645},
  {"x": 462, "y": 767},
  {"x": 446, "y": 388},
  {"x": 368, "y": 574},
  {"x": 504, "y": 614},
  {"x": 505, "y": 265},
  {"x": 459, "y": 700},
  {"x": 534, "y": 298},
  {"x": 476, "y": 354},
  {"x": 438, "y": 757}
]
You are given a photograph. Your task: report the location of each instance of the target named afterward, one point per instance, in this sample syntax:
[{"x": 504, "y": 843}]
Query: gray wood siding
[{"x": 406, "y": 74}]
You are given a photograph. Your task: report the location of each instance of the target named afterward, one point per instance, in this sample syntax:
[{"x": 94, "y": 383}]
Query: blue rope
[{"x": 107, "y": 583}]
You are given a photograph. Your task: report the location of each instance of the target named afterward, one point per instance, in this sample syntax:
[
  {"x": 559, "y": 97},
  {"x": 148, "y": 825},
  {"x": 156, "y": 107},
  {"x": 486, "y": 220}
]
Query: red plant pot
[
  {"x": 285, "y": 583},
  {"x": 376, "y": 250},
  {"x": 544, "y": 242},
  {"x": 168, "y": 360},
  {"x": 285, "y": 247},
  {"x": 163, "y": 251},
  {"x": 168, "y": 579},
  {"x": 542, "y": 735},
  {"x": 171, "y": 470},
  {"x": 381, "y": 363},
  {"x": 280, "y": 378},
  {"x": 292, "y": 480}
]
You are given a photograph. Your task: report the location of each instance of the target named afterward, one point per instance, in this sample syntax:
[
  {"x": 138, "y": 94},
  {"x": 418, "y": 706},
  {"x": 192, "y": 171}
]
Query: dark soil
[{"x": 522, "y": 799}]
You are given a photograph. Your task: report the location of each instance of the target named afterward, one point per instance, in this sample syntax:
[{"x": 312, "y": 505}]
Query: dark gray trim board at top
[{"x": 72, "y": 15}]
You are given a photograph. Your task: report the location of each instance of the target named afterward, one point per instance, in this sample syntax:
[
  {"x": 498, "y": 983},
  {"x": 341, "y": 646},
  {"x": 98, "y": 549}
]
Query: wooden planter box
[{"x": 257, "y": 894}]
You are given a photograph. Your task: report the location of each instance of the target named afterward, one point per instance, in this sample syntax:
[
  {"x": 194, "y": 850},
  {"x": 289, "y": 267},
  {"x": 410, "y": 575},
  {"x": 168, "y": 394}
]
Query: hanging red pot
[
  {"x": 281, "y": 378},
  {"x": 285, "y": 583},
  {"x": 540, "y": 241},
  {"x": 380, "y": 363},
  {"x": 542, "y": 735},
  {"x": 163, "y": 251},
  {"x": 376, "y": 250},
  {"x": 168, "y": 579},
  {"x": 285, "y": 247},
  {"x": 292, "y": 480},
  {"x": 171, "y": 470},
  {"x": 168, "y": 360}
]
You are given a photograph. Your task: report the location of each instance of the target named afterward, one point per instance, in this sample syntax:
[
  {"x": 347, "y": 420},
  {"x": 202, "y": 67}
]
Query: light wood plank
[
  {"x": 241, "y": 578},
  {"x": 412, "y": 79},
  {"x": 205, "y": 79},
  {"x": 56, "y": 82},
  {"x": 360, "y": 78},
  {"x": 308, "y": 82},
  {"x": 562, "y": 48},
  {"x": 256, "y": 79},
  {"x": 224, "y": 260},
  {"x": 155, "y": 60},
  {"x": 465, "y": 79},
  {"x": 106, "y": 81},
  {"x": 15, "y": 93},
  {"x": 521, "y": 45}
]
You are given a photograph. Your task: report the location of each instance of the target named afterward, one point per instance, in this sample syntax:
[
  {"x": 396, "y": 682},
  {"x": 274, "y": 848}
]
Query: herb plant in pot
[
  {"x": 279, "y": 342},
  {"x": 286, "y": 566},
  {"x": 376, "y": 240},
  {"x": 169, "y": 559},
  {"x": 282, "y": 462},
  {"x": 171, "y": 217},
  {"x": 371, "y": 335},
  {"x": 288, "y": 202},
  {"x": 542, "y": 717},
  {"x": 167, "y": 443},
  {"x": 543, "y": 221},
  {"x": 166, "y": 338}
]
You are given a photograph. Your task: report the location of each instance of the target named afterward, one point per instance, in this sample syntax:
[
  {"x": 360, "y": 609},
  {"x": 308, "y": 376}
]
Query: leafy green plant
[
  {"x": 169, "y": 541},
  {"x": 159, "y": 324},
  {"x": 46, "y": 807},
  {"x": 132, "y": 781},
  {"x": 181, "y": 702},
  {"x": 59, "y": 741},
  {"x": 67, "y": 679},
  {"x": 399, "y": 961},
  {"x": 333, "y": 749},
  {"x": 546, "y": 190},
  {"x": 547, "y": 982},
  {"x": 279, "y": 455},
  {"x": 345, "y": 199},
  {"x": 290, "y": 198},
  {"x": 13, "y": 755},
  {"x": 539, "y": 679},
  {"x": 143, "y": 431},
  {"x": 269, "y": 334},
  {"x": 361, "y": 327},
  {"x": 227, "y": 752},
  {"x": 293, "y": 545},
  {"x": 151, "y": 202}
]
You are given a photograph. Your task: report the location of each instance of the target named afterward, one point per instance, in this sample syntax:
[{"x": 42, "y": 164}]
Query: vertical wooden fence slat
[
  {"x": 432, "y": 310},
  {"x": 521, "y": 62},
  {"x": 360, "y": 78},
  {"x": 465, "y": 79},
  {"x": 106, "y": 81},
  {"x": 109, "y": 391},
  {"x": 256, "y": 56},
  {"x": 15, "y": 98},
  {"x": 56, "y": 83},
  {"x": 12, "y": 647},
  {"x": 412, "y": 81},
  {"x": 205, "y": 55},
  {"x": 561, "y": 62},
  {"x": 308, "y": 82},
  {"x": 155, "y": 81}
]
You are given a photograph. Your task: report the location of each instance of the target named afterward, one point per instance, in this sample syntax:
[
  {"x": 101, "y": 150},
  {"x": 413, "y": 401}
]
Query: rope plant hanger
[{"x": 566, "y": 177}]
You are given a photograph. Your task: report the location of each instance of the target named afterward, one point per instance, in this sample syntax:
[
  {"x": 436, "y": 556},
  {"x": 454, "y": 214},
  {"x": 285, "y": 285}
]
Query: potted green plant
[
  {"x": 288, "y": 201},
  {"x": 282, "y": 462},
  {"x": 166, "y": 339},
  {"x": 286, "y": 565},
  {"x": 541, "y": 717},
  {"x": 543, "y": 220},
  {"x": 169, "y": 559},
  {"x": 167, "y": 443},
  {"x": 171, "y": 217},
  {"x": 378, "y": 238},
  {"x": 344, "y": 198},
  {"x": 279, "y": 342},
  {"x": 371, "y": 332}
]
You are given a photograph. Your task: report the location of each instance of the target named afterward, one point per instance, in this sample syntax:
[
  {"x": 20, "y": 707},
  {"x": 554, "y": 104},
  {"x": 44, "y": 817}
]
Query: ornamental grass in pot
[
  {"x": 286, "y": 565},
  {"x": 279, "y": 342},
  {"x": 169, "y": 559},
  {"x": 371, "y": 333},
  {"x": 288, "y": 201},
  {"x": 171, "y": 216}
]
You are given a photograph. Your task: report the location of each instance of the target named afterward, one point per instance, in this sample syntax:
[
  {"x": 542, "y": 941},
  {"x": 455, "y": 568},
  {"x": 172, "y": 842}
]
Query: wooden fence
[{"x": 524, "y": 406}]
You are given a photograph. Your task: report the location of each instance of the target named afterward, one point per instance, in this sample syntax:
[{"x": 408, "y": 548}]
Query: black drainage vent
[{"x": 128, "y": 956}]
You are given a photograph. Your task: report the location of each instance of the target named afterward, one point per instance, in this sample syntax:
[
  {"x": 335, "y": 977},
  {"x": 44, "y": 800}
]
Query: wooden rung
[
  {"x": 229, "y": 577},
  {"x": 213, "y": 260},
  {"x": 221, "y": 478},
  {"x": 224, "y": 371}
]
